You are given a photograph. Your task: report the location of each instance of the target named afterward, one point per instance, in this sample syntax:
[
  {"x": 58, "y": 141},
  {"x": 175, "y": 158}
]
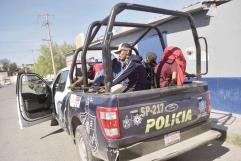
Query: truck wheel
[{"x": 83, "y": 148}]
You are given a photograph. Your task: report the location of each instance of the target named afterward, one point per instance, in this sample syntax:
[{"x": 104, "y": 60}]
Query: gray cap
[{"x": 123, "y": 46}]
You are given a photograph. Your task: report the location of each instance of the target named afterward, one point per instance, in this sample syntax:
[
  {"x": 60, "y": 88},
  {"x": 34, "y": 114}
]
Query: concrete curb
[{"x": 229, "y": 124}]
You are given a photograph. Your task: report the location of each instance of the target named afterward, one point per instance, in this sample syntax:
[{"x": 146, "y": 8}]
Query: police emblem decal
[
  {"x": 137, "y": 120},
  {"x": 126, "y": 123}
]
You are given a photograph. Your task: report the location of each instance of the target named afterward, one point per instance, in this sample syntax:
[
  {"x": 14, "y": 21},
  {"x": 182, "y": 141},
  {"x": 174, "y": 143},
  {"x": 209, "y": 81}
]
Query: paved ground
[
  {"x": 45, "y": 143},
  {"x": 37, "y": 143}
]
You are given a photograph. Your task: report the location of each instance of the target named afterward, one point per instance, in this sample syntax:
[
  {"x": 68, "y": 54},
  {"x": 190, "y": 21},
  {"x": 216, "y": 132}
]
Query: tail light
[
  {"x": 208, "y": 102},
  {"x": 109, "y": 122}
]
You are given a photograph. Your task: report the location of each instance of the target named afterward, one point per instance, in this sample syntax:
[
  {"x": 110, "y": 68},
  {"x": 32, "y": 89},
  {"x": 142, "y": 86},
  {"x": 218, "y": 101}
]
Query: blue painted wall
[{"x": 225, "y": 93}]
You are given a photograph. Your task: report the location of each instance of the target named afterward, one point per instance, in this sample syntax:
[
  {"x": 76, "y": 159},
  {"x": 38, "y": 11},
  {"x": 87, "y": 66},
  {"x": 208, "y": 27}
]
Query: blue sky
[{"x": 21, "y": 29}]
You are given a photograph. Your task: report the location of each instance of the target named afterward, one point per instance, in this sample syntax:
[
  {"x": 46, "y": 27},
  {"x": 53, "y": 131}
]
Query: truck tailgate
[{"x": 150, "y": 113}]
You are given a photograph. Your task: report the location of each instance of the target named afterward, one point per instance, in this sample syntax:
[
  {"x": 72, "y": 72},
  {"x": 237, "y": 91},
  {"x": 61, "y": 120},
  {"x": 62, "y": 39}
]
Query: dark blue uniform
[{"x": 134, "y": 75}]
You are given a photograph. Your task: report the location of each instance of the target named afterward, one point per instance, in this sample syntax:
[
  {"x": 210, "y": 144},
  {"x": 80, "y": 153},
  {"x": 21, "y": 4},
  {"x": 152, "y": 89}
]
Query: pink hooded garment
[{"x": 174, "y": 53}]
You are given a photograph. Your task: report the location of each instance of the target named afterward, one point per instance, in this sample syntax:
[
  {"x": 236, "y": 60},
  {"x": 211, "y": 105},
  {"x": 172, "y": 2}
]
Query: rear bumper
[
  {"x": 155, "y": 149},
  {"x": 181, "y": 147}
]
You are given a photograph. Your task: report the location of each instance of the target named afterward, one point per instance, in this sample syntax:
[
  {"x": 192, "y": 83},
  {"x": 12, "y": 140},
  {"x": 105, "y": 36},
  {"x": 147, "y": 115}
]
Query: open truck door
[{"x": 34, "y": 100}]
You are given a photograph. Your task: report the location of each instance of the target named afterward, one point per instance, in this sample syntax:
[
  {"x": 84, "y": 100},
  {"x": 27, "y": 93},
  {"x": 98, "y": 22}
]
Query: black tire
[{"x": 82, "y": 145}]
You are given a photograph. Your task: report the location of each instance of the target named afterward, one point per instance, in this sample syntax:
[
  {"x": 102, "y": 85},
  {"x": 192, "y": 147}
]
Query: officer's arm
[{"x": 123, "y": 75}]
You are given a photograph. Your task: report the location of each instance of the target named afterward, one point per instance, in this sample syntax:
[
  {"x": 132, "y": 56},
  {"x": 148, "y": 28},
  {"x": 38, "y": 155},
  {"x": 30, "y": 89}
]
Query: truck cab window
[{"x": 34, "y": 85}]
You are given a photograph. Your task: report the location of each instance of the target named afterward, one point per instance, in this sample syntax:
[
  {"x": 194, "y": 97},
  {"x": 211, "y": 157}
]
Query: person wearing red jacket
[{"x": 171, "y": 69}]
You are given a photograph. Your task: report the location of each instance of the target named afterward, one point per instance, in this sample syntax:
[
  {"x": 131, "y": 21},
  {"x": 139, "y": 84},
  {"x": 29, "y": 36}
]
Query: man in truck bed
[
  {"x": 133, "y": 76},
  {"x": 171, "y": 69}
]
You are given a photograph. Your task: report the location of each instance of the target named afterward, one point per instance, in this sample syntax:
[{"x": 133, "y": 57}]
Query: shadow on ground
[
  {"x": 221, "y": 122},
  {"x": 208, "y": 152},
  {"x": 52, "y": 133}
]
